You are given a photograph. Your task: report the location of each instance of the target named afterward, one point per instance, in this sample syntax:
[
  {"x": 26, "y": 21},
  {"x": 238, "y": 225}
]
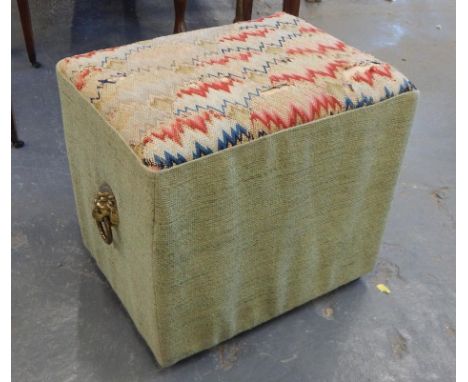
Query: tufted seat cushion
[{"x": 177, "y": 98}]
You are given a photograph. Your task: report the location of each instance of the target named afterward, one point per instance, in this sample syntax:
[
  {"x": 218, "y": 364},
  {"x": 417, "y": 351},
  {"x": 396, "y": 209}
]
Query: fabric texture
[
  {"x": 178, "y": 98},
  {"x": 216, "y": 246},
  {"x": 223, "y": 242}
]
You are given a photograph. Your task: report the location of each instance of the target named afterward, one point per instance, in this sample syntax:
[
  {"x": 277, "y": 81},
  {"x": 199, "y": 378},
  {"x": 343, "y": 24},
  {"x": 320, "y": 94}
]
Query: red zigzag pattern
[
  {"x": 176, "y": 129},
  {"x": 321, "y": 48},
  {"x": 311, "y": 74},
  {"x": 369, "y": 74},
  {"x": 296, "y": 114},
  {"x": 243, "y": 36},
  {"x": 203, "y": 88},
  {"x": 227, "y": 58}
]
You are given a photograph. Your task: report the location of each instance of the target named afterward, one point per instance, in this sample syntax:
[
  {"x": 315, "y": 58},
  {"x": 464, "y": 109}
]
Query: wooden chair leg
[
  {"x": 239, "y": 11},
  {"x": 179, "y": 25},
  {"x": 14, "y": 135},
  {"x": 291, "y": 7},
  {"x": 243, "y": 10},
  {"x": 25, "y": 16}
]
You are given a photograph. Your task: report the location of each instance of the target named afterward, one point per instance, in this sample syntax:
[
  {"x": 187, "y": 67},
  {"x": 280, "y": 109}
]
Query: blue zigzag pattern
[
  {"x": 169, "y": 160},
  {"x": 406, "y": 86},
  {"x": 276, "y": 25},
  {"x": 260, "y": 49},
  {"x": 388, "y": 94},
  {"x": 227, "y": 140},
  {"x": 262, "y": 45},
  {"x": 128, "y": 53},
  {"x": 363, "y": 101},
  {"x": 262, "y": 70},
  {"x": 224, "y": 105},
  {"x": 201, "y": 150}
]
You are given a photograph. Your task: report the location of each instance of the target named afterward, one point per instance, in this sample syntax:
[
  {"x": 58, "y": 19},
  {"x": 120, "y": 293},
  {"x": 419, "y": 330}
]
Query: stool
[{"x": 225, "y": 176}]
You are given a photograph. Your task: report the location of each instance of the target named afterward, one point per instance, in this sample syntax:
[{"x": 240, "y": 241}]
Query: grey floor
[{"x": 67, "y": 324}]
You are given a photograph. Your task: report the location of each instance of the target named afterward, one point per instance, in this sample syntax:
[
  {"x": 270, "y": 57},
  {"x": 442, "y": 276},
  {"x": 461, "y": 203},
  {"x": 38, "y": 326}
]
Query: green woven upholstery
[{"x": 218, "y": 244}]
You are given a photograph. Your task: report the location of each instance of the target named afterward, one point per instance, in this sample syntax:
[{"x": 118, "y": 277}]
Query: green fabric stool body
[{"x": 252, "y": 167}]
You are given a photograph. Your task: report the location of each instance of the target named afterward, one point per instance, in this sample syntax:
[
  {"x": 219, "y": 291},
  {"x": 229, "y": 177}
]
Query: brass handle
[{"x": 105, "y": 213}]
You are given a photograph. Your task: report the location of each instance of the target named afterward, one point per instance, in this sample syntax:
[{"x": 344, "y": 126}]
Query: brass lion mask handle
[{"x": 105, "y": 214}]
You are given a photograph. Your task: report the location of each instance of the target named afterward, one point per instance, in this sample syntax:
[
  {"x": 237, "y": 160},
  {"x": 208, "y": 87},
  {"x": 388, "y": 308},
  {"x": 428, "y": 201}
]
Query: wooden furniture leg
[
  {"x": 291, "y": 7},
  {"x": 243, "y": 10},
  {"x": 179, "y": 25},
  {"x": 25, "y": 16},
  {"x": 239, "y": 11},
  {"x": 14, "y": 136}
]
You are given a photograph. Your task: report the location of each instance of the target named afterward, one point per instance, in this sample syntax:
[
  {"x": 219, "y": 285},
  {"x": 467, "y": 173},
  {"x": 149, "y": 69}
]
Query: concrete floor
[{"x": 67, "y": 324}]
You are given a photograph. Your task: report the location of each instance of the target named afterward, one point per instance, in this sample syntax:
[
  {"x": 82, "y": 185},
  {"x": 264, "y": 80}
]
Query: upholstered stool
[{"x": 225, "y": 176}]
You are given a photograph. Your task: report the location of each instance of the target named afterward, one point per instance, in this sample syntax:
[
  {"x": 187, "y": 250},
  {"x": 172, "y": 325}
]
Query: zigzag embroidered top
[{"x": 174, "y": 99}]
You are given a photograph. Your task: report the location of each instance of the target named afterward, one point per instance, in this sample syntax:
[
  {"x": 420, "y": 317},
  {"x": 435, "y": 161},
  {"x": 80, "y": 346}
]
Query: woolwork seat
[{"x": 252, "y": 166}]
